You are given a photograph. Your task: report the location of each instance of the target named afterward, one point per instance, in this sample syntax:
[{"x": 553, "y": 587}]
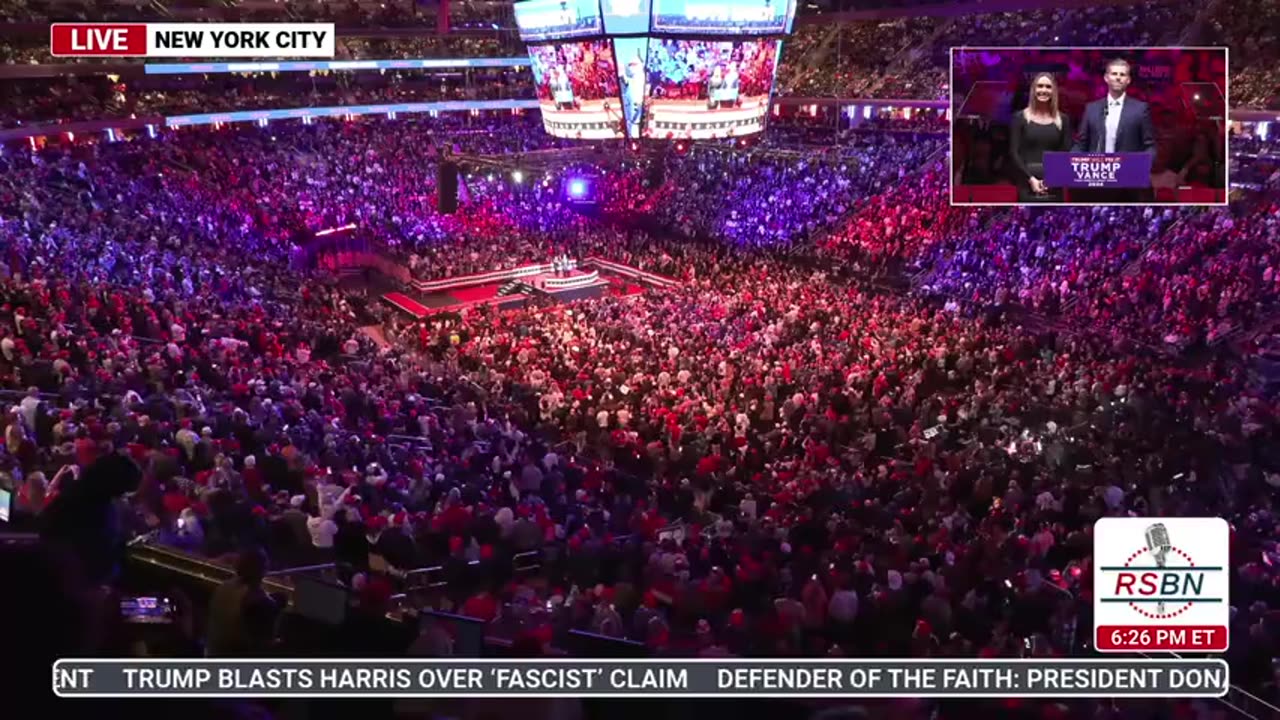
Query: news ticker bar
[
  {"x": 98, "y": 678},
  {"x": 304, "y": 65},
  {"x": 341, "y": 110}
]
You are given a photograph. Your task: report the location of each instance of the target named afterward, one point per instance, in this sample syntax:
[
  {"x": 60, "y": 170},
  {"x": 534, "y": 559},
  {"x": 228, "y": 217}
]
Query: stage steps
[{"x": 514, "y": 287}]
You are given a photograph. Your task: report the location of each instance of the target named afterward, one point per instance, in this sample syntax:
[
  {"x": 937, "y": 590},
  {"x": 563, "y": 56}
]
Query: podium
[
  {"x": 1100, "y": 178},
  {"x": 1073, "y": 170}
]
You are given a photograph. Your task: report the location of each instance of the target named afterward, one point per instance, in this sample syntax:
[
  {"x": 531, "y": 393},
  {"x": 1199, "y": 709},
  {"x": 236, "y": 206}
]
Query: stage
[
  {"x": 561, "y": 281},
  {"x": 507, "y": 293}
]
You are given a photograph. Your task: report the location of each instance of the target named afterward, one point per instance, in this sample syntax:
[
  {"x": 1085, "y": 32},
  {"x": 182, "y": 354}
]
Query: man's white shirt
[{"x": 1114, "y": 107}]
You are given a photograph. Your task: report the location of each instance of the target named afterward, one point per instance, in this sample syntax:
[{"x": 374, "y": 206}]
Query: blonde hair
[{"x": 1053, "y": 101}]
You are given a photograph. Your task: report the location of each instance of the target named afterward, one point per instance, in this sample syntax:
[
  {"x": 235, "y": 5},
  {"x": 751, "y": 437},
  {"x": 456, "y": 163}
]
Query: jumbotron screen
[
  {"x": 577, "y": 87},
  {"x": 540, "y": 20},
  {"x": 625, "y": 17},
  {"x": 701, "y": 89},
  {"x": 544, "y": 20},
  {"x": 723, "y": 17}
]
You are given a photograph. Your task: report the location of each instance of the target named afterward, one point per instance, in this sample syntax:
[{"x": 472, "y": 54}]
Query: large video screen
[
  {"x": 700, "y": 89},
  {"x": 626, "y": 17},
  {"x": 630, "y": 54},
  {"x": 540, "y": 20},
  {"x": 723, "y": 17},
  {"x": 577, "y": 86}
]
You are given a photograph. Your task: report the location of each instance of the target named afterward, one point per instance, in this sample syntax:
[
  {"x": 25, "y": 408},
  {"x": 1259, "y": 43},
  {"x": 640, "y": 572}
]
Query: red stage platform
[{"x": 591, "y": 278}]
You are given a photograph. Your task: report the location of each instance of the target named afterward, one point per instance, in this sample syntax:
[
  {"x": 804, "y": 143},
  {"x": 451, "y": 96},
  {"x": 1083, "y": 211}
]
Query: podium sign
[{"x": 1097, "y": 170}]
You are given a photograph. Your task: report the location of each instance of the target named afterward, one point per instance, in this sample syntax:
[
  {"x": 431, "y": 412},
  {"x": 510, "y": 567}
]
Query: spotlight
[
  {"x": 517, "y": 176},
  {"x": 577, "y": 188}
]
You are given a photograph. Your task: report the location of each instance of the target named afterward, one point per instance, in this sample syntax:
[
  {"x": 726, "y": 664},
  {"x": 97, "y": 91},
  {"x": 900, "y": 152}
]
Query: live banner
[{"x": 1095, "y": 677}]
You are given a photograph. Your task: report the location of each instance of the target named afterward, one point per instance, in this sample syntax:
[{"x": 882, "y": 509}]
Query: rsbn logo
[
  {"x": 1160, "y": 579},
  {"x": 1161, "y": 584}
]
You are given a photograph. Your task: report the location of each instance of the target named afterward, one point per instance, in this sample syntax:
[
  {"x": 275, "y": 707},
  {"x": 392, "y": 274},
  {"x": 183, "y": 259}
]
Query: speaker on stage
[{"x": 447, "y": 187}]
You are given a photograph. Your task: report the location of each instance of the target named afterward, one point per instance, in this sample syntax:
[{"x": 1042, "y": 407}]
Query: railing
[
  {"x": 1244, "y": 703},
  {"x": 301, "y": 569},
  {"x": 424, "y": 578},
  {"x": 338, "y": 261}
]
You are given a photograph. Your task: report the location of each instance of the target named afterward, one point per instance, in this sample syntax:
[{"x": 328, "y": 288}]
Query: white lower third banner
[{"x": 692, "y": 678}]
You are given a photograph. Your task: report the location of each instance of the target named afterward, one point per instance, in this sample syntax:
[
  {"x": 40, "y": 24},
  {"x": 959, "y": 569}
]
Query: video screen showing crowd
[
  {"x": 1089, "y": 125},
  {"x": 701, "y": 89},
  {"x": 577, "y": 89},
  {"x": 540, "y": 20},
  {"x": 727, "y": 18},
  {"x": 649, "y": 77}
]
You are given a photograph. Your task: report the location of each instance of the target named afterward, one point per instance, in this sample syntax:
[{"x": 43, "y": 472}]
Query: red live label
[
  {"x": 98, "y": 39},
  {"x": 1137, "y": 638}
]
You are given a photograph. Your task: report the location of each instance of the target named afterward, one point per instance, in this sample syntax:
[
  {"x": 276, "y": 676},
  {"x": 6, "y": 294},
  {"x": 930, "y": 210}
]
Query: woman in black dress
[{"x": 1035, "y": 130}]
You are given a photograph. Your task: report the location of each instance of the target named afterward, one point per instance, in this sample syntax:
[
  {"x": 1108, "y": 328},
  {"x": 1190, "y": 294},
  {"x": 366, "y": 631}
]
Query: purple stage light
[{"x": 577, "y": 188}]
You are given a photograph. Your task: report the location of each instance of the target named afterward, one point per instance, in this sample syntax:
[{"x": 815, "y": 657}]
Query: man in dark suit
[{"x": 1117, "y": 123}]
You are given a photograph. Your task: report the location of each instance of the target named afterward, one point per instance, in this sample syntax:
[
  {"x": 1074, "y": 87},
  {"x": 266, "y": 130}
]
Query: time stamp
[{"x": 1140, "y": 638}]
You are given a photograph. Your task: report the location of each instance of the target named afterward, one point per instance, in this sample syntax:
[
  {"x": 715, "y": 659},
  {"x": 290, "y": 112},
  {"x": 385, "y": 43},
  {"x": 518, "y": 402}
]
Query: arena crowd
[
  {"x": 851, "y": 470},
  {"x": 862, "y": 422}
]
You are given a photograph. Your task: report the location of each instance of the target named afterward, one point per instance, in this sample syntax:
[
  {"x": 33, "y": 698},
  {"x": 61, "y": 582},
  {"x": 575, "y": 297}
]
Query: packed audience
[
  {"x": 1255, "y": 51},
  {"x": 773, "y": 412},
  {"x": 848, "y": 59},
  {"x": 30, "y": 50},
  {"x": 771, "y": 198},
  {"x": 1042, "y": 260},
  {"x": 1171, "y": 279},
  {"x": 439, "y": 46},
  {"x": 1146, "y": 24},
  {"x": 890, "y": 58},
  {"x": 481, "y": 15},
  {"x": 899, "y": 225},
  {"x": 41, "y": 101},
  {"x": 349, "y": 14}
]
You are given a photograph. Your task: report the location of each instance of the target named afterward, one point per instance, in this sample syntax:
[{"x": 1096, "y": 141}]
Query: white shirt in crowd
[{"x": 322, "y": 530}]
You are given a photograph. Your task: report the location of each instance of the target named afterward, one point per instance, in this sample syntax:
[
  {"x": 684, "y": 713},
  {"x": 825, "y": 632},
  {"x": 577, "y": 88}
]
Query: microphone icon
[{"x": 1158, "y": 544}]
